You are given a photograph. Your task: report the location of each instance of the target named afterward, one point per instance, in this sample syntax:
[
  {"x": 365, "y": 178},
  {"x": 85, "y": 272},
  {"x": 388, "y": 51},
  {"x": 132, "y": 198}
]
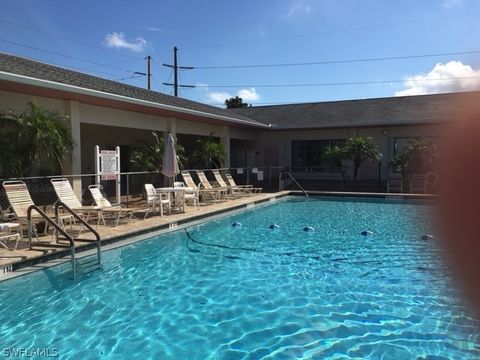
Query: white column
[{"x": 73, "y": 111}]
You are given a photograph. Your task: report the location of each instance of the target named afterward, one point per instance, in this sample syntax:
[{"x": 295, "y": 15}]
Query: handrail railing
[
  {"x": 57, "y": 227},
  {"x": 295, "y": 181},
  {"x": 98, "y": 241}
]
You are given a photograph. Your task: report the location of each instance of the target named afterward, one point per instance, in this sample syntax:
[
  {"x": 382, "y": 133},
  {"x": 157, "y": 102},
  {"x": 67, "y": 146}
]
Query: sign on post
[{"x": 107, "y": 167}]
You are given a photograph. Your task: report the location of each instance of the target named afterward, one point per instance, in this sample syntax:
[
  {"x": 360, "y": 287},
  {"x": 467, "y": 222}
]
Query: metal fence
[{"x": 132, "y": 183}]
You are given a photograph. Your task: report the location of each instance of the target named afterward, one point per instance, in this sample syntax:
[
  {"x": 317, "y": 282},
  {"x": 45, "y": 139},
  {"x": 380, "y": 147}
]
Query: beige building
[{"x": 108, "y": 113}]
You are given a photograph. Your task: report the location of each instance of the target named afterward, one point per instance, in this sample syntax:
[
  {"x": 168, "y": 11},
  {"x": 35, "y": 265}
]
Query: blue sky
[{"x": 218, "y": 33}]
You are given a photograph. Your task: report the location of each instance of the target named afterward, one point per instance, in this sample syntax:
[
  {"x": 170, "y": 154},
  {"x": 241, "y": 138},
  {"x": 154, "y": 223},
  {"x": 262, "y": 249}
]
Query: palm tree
[
  {"x": 210, "y": 152},
  {"x": 36, "y": 137},
  {"x": 357, "y": 149},
  {"x": 418, "y": 156}
]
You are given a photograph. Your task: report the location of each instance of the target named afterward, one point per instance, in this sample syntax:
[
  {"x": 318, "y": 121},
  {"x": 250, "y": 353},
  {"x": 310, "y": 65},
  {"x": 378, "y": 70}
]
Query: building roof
[
  {"x": 405, "y": 110},
  {"x": 34, "y": 69}
]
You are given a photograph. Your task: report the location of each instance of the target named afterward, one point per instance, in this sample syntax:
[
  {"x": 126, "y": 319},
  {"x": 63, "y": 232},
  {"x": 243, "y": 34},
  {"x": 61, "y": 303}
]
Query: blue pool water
[{"x": 223, "y": 292}]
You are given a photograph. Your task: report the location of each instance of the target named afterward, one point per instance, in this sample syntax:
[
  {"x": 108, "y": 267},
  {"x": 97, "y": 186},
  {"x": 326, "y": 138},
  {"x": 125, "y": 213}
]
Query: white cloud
[
  {"x": 117, "y": 40},
  {"x": 451, "y": 3},
  {"x": 298, "y": 8},
  {"x": 460, "y": 77},
  {"x": 249, "y": 94},
  {"x": 219, "y": 97},
  {"x": 157, "y": 29}
]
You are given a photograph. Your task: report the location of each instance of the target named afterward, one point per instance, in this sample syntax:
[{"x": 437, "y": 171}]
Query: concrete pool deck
[{"x": 124, "y": 233}]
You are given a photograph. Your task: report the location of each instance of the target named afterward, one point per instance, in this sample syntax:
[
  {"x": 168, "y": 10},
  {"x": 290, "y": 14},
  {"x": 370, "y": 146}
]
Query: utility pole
[
  {"x": 175, "y": 73},
  {"x": 149, "y": 73}
]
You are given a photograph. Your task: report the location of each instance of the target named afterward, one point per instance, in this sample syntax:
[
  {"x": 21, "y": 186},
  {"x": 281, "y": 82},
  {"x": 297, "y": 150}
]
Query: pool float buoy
[
  {"x": 274, "y": 227},
  {"x": 237, "y": 224},
  {"x": 309, "y": 229},
  {"x": 367, "y": 233},
  {"x": 427, "y": 237}
]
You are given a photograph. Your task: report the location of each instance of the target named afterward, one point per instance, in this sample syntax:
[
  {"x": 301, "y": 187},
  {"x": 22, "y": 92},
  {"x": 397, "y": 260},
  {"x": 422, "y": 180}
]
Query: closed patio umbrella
[{"x": 170, "y": 164}]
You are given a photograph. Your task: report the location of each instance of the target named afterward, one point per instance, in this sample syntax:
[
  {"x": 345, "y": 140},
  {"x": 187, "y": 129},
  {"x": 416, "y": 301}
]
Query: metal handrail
[
  {"x": 64, "y": 206},
  {"x": 295, "y": 181},
  {"x": 57, "y": 227}
]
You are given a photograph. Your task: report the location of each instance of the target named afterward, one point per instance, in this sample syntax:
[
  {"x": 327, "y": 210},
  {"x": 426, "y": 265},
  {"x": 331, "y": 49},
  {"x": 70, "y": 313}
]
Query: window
[{"x": 309, "y": 155}]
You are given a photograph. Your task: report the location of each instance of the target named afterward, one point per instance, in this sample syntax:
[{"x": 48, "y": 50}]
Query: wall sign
[{"x": 107, "y": 167}]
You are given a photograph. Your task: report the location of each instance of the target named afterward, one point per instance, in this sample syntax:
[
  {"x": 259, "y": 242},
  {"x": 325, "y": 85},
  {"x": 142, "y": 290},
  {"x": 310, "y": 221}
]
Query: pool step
[{"x": 87, "y": 266}]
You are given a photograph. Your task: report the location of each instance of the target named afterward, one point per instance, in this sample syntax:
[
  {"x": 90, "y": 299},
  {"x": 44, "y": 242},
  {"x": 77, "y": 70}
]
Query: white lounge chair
[
  {"x": 20, "y": 200},
  {"x": 66, "y": 195},
  {"x": 222, "y": 191},
  {"x": 395, "y": 183},
  {"x": 418, "y": 184},
  {"x": 106, "y": 206},
  {"x": 154, "y": 199},
  {"x": 247, "y": 188},
  {"x": 203, "y": 194},
  {"x": 233, "y": 191}
]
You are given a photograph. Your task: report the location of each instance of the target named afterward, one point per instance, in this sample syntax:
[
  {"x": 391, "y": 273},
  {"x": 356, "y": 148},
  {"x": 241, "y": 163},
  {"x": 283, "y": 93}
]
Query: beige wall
[
  {"x": 18, "y": 102},
  {"x": 109, "y": 127},
  {"x": 282, "y": 140}
]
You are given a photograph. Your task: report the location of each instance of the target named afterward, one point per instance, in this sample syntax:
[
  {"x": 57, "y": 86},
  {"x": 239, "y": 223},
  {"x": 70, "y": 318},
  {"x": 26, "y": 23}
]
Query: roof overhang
[
  {"x": 41, "y": 87},
  {"x": 359, "y": 126}
]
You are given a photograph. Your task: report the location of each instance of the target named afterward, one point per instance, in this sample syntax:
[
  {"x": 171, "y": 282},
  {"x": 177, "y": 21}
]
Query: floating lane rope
[{"x": 272, "y": 227}]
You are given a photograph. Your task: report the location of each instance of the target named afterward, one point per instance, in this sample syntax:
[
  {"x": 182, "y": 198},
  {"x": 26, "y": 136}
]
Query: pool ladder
[
  {"x": 78, "y": 267},
  {"x": 294, "y": 180}
]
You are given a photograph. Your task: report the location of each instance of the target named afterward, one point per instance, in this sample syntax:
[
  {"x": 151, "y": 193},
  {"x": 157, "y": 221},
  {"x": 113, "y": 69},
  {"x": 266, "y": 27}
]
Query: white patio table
[{"x": 178, "y": 200}]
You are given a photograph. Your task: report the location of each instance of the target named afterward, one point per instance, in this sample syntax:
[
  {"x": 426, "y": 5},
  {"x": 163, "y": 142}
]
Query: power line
[
  {"x": 336, "y": 83},
  {"x": 339, "y": 61},
  {"x": 368, "y": 27},
  {"x": 64, "y": 55},
  {"x": 129, "y": 77},
  {"x": 65, "y": 38}
]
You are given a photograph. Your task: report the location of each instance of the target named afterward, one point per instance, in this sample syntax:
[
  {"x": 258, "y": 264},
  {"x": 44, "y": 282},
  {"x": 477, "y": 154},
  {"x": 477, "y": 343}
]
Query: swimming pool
[{"x": 223, "y": 292}]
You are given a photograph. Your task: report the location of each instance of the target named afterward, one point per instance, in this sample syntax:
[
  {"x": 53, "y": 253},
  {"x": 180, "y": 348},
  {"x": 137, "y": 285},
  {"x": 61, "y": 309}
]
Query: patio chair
[
  {"x": 248, "y": 188},
  {"x": 395, "y": 183},
  {"x": 20, "y": 200},
  {"x": 222, "y": 191},
  {"x": 418, "y": 184},
  {"x": 233, "y": 191},
  {"x": 154, "y": 199},
  {"x": 202, "y": 193},
  {"x": 65, "y": 194},
  {"x": 7, "y": 232},
  {"x": 190, "y": 195},
  {"x": 107, "y": 207}
]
